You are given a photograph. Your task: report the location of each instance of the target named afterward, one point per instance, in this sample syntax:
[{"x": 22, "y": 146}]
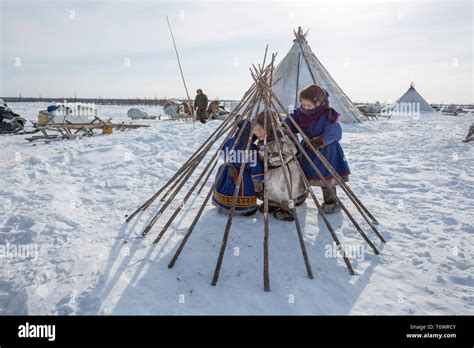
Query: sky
[{"x": 123, "y": 49}]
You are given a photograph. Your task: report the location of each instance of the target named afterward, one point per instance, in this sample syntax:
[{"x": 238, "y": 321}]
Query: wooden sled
[
  {"x": 78, "y": 130},
  {"x": 181, "y": 117}
]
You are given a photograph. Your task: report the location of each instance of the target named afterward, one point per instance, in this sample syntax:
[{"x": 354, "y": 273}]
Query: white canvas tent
[
  {"x": 412, "y": 97},
  {"x": 299, "y": 68}
]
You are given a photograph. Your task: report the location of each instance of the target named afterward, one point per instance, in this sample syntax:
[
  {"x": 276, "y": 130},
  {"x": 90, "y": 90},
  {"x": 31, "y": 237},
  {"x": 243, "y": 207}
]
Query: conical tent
[
  {"x": 299, "y": 68},
  {"x": 413, "y": 97}
]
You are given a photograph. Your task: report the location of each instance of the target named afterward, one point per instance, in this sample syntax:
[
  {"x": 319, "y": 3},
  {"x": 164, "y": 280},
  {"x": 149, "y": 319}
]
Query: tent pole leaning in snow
[
  {"x": 196, "y": 218},
  {"x": 210, "y": 172},
  {"x": 341, "y": 182},
  {"x": 266, "y": 278},
  {"x": 201, "y": 209},
  {"x": 168, "y": 202},
  {"x": 233, "y": 206},
  {"x": 237, "y": 187},
  {"x": 177, "y": 56},
  {"x": 234, "y": 199},
  {"x": 320, "y": 209},
  {"x": 218, "y": 135},
  {"x": 184, "y": 167},
  {"x": 191, "y": 190},
  {"x": 318, "y": 205},
  {"x": 297, "y": 89},
  {"x": 288, "y": 187},
  {"x": 168, "y": 223},
  {"x": 307, "y": 187},
  {"x": 266, "y": 227},
  {"x": 183, "y": 242},
  {"x": 215, "y": 158},
  {"x": 196, "y": 153},
  {"x": 258, "y": 78},
  {"x": 155, "y": 218}
]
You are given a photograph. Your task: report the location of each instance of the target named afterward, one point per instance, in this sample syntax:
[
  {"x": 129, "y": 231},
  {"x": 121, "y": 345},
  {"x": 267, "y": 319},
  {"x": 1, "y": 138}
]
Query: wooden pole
[
  {"x": 201, "y": 209},
  {"x": 184, "y": 180},
  {"x": 318, "y": 205},
  {"x": 211, "y": 139},
  {"x": 356, "y": 225},
  {"x": 357, "y": 203},
  {"x": 232, "y": 210},
  {"x": 285, "y": 169},
  {"x": 177, "y": 56},
  {"x": 297, "y": 80}
]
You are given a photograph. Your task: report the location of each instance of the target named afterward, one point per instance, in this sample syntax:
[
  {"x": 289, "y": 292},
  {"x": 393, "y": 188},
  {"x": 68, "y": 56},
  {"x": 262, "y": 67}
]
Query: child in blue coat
[
  {"x": 320, "y": 123},
  {"x": 253, "y": 172}
]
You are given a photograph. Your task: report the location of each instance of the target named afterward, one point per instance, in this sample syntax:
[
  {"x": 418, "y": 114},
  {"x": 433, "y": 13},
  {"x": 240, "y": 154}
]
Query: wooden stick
[
  {"x": 150, "y": 201},
  {"x": 354, "y": 222},
  {"x": 266, "y": 227},
  {"x": 308, "y": 187},
  {"x": 288, "y": 186},
  {"x": 208, "y": 175},
  {"x": 188, "y": 194},
  {"x": 297, "y": 79},
  {"x": 349, "y": 192},
  {"x": 324, "y": 69},
  {"x": 181, "y": 177},
  {"x": 318, "y": 205},
  {"x": 177, "y": 56},
  {"x": 168, "y": 202},
  {"x": 329, "y": 167},
  {"x": 198, "y": 215},
  {"x": 232, "y": 210}
]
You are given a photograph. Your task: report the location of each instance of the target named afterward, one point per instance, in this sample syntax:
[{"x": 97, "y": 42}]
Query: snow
[{"x": 68, "y": 201}]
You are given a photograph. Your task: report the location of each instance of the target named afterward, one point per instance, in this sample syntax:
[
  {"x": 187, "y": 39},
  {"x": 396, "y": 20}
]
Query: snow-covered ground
[{"x": 66, "y": 201}]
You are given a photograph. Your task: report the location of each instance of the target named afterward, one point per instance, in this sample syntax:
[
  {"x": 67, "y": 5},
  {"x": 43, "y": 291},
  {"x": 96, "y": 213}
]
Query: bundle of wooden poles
[{"x": 259, "y": 96}]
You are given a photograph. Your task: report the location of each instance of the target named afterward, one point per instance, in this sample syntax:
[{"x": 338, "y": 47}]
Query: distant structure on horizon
[{"x": 411, "y": 96}]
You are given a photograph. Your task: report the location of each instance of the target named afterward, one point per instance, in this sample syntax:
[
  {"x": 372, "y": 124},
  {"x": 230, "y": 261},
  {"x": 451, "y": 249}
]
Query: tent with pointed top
[
  {"x": 412, "y": 97},
  {"x": 299, "y": 68}
]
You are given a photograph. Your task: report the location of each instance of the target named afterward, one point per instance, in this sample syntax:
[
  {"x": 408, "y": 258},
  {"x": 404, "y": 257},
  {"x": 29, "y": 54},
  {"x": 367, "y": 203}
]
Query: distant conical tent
[
  {"x": 413, "y": 97},
  {"x": 299, "y": 68}
]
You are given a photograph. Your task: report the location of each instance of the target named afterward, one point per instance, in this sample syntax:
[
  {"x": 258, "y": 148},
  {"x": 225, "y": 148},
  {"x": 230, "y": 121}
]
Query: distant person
[{"x": 200, "y": 103}]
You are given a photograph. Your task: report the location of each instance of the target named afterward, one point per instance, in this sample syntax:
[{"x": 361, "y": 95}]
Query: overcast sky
[{"x": 373, "y": 49}]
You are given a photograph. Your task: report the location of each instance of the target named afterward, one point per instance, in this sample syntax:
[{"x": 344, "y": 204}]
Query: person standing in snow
[
  {"x": 200, "y": 103},
  {"x": 320, "y": 123}
]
